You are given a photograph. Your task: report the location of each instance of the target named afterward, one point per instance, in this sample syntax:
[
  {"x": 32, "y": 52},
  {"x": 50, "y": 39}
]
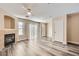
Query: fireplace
[{"x": 9, "y": 39}]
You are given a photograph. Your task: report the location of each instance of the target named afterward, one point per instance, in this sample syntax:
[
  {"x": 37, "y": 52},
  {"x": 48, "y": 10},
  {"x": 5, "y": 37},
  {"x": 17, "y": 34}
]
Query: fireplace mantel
[{"x": 8, "y": 24}]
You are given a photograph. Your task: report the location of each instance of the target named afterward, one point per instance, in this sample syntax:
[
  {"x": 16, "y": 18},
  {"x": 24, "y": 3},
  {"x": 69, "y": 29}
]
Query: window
[
  {"x": 20, "y": 27},
  {"x": 33, "y": 30}
]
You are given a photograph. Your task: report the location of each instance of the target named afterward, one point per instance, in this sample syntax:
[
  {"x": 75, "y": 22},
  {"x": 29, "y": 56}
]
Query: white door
[{"x": 58, "y": 30}]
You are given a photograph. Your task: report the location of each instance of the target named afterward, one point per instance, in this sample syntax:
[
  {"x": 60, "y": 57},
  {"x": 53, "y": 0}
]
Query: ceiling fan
[{"x": 27, "y": 10}]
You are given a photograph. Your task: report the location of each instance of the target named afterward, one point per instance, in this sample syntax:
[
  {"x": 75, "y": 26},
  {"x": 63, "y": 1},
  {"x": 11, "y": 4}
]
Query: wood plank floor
[{"x": 41, "y": 48}]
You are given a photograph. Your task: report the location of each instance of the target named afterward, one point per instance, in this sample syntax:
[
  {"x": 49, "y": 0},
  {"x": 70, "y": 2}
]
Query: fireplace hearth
[{"x": 9, "y": 39}]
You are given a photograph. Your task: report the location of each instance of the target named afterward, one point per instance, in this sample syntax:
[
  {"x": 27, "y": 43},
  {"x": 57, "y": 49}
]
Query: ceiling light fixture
[
  {"x": 27, "y": 10},
  {"x": 29, "y": 13}
]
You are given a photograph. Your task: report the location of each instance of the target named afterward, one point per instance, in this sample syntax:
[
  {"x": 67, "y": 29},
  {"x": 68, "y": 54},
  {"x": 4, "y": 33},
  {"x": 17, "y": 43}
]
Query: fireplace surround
[{"x": 9, "y": 39}]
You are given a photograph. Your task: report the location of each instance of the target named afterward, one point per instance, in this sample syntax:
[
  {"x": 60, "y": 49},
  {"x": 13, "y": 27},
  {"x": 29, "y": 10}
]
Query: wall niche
[{"x": 9, "y": 22}]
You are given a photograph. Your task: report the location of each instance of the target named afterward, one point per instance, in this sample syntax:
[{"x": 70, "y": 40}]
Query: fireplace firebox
[{"x": 9, "y": 39}]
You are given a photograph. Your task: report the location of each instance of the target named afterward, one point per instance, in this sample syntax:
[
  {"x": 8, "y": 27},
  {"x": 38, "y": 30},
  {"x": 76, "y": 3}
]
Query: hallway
[{"x": 41, "y": 48}]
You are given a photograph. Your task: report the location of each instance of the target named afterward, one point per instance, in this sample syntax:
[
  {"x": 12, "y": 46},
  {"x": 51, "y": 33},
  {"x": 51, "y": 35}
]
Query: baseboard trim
[{"x": 77, "y": 43}]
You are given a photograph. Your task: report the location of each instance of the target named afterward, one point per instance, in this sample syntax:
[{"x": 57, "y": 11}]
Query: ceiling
[{"x": 40, "y": 11}]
